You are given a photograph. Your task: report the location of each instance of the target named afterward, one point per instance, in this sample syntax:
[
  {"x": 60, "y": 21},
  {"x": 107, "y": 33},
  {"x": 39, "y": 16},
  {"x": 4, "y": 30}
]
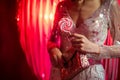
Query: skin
[
  {"x": 80, "y": 42},
  {"x": 83, "y": 9}
]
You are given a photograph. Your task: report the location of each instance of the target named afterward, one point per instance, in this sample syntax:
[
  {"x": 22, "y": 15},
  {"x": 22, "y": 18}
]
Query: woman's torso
[{"x": 93, "y": 25}]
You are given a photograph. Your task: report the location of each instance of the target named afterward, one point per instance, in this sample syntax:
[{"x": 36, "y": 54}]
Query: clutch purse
[{"x": 77, "y": 63}]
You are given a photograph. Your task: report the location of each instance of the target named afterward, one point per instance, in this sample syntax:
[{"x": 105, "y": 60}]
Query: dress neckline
[{"x": 95, "y": 13}]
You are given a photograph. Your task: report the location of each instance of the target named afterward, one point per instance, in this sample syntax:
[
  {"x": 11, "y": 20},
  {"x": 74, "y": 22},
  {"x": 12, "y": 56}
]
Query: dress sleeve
[
  {"x": 113, "y": 51},
  {"x": 54, "y": 40}
]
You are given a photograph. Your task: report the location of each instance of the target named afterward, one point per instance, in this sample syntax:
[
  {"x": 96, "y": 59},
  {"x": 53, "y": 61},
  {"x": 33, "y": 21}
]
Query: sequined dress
[{"x": 95, "y": 29}]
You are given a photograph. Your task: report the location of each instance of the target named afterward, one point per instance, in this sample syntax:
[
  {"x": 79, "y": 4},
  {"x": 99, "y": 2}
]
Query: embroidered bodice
[{"x": 94, "y": 28}]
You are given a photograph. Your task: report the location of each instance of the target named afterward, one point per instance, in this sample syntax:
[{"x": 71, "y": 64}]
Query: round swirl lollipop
[{"x": 66, "y": 25}]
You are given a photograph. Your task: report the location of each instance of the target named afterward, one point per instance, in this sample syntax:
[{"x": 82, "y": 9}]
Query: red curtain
[
  {"x": 35, "y": 20},
  {"x": 110, "y": 65}
]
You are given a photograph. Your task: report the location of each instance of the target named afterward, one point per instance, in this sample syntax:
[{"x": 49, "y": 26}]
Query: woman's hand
[
  {"x": 82, "y": 44},
  {"x": 55, "y": 57}
]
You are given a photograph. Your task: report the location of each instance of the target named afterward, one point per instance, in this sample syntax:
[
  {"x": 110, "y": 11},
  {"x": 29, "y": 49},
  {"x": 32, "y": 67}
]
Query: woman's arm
[
  {"x": 83, "y": 45},
  {"x": 114, "y": 50},
  {"x": 57, "y": 57}
]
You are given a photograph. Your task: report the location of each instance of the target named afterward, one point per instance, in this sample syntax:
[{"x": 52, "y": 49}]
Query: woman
[{"x": 81, "y": 26}]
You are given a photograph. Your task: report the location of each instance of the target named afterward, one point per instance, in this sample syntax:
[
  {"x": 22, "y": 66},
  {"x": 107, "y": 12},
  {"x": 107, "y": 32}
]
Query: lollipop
[
  {"x": 66, "y": 25},
  {"x": 77, "y": 62}
]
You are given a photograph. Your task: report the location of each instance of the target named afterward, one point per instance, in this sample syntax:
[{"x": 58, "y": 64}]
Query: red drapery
[{"x": 35, "y": 20}]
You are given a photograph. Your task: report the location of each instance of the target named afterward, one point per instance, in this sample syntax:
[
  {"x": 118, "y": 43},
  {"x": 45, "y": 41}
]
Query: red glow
[{"x": 35, "y": 20}]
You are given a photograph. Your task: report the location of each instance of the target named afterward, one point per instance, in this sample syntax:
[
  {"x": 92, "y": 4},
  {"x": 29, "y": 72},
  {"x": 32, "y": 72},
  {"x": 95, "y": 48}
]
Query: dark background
[{"x": 13, "y": 65}]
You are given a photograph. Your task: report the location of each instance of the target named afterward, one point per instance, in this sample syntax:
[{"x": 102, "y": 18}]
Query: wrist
[
  {"x": 51, "y": 45},
  {"x": 98, "y": 50}
]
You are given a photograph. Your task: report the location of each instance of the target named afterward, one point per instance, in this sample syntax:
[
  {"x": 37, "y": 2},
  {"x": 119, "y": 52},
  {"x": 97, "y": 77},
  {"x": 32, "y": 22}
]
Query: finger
[
  {"x": 71, "y": 36},
  {"x": 76, "y": 45},
  {"x": 79, "y": 48},
  {"x": 76, "y": 35},
  {"x": 76, "y": 41}
]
